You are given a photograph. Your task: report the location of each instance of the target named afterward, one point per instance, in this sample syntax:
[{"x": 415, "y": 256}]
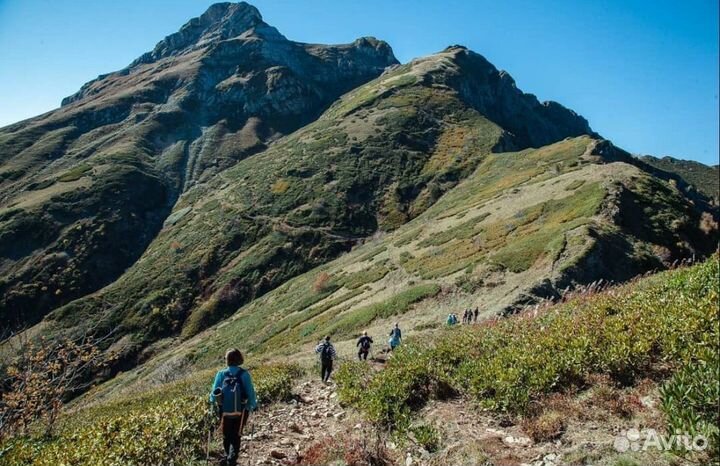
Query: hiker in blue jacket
[
  {"x": 234, "y": 394},
  {"x": 395, "y": 337}
]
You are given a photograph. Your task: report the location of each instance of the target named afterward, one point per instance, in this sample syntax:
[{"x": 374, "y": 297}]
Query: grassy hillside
[
  {"x": 376, "y": 159},
  {"x": 168, "y": 425},
  {"x": 85, "y": 188},
  {"x": 702, "y": 177},
  {"x": 522, "y": 227},
  {"x": 592, "y": 348},
  {"x": 664, "y": 327},
  {"x": 507, "y": 364}
]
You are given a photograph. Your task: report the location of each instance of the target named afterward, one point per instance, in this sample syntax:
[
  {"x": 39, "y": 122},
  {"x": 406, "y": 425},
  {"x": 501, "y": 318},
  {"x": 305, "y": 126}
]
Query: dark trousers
[
  {"x": 232, "y": 428},
  {"x": 363, "y": 353},
  {"x": 326, "y": 370}
]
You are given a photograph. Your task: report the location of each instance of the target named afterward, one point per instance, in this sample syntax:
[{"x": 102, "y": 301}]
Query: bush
[
  {"x": 690, "y": 398},
  {"x": 505, "y": 365},
  {"x": 321, "y": 282},
  {"x": 545, "y": 427},
  {"x": 75, "y": 173},
  {"x": 427, "y": 437},
  {"x": 167, "y": 433},
  {"x": 400, "y": 303},
  {"x": 274, "y": 383},
  {"x": 351, "y": 378},
  {"x": 167, "y": 425},
  {"x": 38, "y": 380}
]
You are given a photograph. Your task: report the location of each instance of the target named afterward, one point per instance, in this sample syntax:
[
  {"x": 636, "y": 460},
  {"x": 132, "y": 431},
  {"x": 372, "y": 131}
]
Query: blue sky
[{"x": 644, "y": 73}]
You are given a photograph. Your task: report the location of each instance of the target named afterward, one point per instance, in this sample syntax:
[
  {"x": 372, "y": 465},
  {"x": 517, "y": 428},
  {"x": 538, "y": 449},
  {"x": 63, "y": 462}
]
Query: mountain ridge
[
  {"x": 229, "y": 160},
  {"x": 156, "y": 129}
]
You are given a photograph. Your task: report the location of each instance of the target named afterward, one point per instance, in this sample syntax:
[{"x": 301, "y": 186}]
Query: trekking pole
[
  {"x": 207, "y": 450},
  {"x": 252, "y": 435},
  {"x": 243, "y": 419},
  {"x": 209, "y": 439}
]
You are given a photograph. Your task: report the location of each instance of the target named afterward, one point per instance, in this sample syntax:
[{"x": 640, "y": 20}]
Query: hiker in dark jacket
[
  {"x": 234, "y": 394},
  {"x": 327, "y": 353},
  {"x": 364, "y": 344},
  {"x": 476, "y": 312}
]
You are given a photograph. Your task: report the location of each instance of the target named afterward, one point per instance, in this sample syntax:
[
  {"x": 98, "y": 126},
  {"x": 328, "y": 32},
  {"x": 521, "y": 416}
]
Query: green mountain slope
[
  {"x": 234, "y": 188},
  {"x": 434, "y": 186},
  {"x": 377, "y": 158},
  {"x": 85, "y": 188},
  {"x": 702, "y": 177},
  {"x": 549, "y": 357},
  {"x": 522, "y": 228}
]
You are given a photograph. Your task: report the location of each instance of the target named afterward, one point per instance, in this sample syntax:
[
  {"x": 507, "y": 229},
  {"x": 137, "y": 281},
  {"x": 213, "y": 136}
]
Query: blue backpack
[{"x": 234, "y": 395}]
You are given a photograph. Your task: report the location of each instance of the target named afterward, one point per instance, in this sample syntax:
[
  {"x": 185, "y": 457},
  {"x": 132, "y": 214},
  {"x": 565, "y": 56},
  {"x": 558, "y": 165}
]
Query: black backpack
[
  {"x": 365, "y": 344},
  {"x": 326, "y": 353}
]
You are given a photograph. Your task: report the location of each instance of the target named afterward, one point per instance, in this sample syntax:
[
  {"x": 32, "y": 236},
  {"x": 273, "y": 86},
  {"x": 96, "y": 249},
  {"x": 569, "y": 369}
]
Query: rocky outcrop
[
  {"x": 494, "y": 94},
  {"x": 234, "y": 38},
  {"x": 221, "y": 21}
]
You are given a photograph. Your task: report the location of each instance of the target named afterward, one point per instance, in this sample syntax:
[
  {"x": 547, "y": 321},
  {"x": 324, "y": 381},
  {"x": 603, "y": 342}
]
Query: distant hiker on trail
[
  {"x": 364, "y": 344},
  {"x": 327, "y": 353},
  {"x": 450, "y": 320},
  {"x": 233, "y": 394},
  {"x": 476, "y": 312},
  {"x": 395, "y": 337}
]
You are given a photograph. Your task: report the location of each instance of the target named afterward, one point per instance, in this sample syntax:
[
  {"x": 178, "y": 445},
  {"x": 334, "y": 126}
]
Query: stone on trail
[
  {"x": 293, "y": 427},
  {"x": 277, "y": 454}
]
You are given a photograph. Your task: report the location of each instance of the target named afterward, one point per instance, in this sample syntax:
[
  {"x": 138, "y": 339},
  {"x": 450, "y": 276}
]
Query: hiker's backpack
[
  {"x": 365, "y": 344},
  {"x": 234, "y": 395},
  {"x": 326, "y": 353}
]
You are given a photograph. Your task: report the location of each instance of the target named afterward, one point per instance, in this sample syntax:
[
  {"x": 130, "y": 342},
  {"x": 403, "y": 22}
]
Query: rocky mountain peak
[{"x": 219, "y": 22}]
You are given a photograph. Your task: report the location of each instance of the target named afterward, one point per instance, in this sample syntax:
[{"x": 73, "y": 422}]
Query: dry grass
[{"x": 547, "y": 426}]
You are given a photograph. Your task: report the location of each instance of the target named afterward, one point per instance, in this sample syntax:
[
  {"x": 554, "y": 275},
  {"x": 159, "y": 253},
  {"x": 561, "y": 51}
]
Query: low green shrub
[
  {"x": 427, "y": 437},
  {"x": 624, "y": 332},
  {"x": 690, "y": 398},
  {"x": 398, "y": 304},
  {"x": 274, "y": 382},
  {"x": 168, "y": 433},
  {"x": 75, "y": 173},
  {"x": 167, "y": 425}
]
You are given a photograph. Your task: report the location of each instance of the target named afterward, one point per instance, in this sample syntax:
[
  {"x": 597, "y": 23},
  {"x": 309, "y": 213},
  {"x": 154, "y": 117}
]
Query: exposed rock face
[
  {"x": 114, "y": 158},
  {"x": 221, "y": 21},
  {"x": 494, "y": 94}
]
